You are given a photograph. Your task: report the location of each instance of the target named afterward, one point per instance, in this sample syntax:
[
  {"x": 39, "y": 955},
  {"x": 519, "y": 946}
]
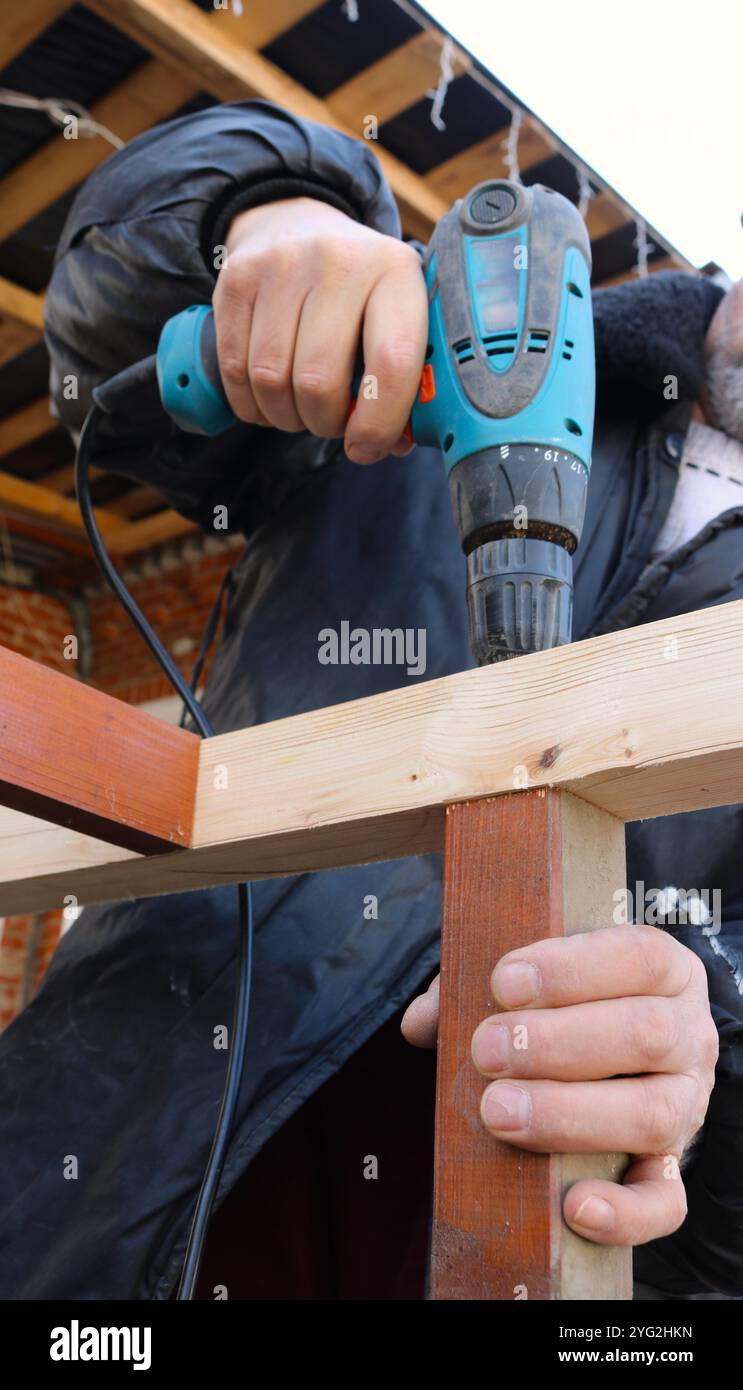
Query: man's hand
[
  {"x": 302, "y": 285},
  {"x": 619, "y": 1057}
]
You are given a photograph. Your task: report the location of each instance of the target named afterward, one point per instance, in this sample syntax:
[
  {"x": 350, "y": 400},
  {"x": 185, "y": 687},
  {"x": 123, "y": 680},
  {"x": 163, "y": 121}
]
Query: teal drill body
[{"x": 507, "y": 395}]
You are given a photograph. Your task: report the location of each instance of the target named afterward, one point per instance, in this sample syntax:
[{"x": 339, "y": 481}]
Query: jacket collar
[{"x": 651, "y": 330}]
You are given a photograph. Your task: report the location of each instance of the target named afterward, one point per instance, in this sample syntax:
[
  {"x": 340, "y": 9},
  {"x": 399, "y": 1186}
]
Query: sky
[{"x": 644, "y": 92}]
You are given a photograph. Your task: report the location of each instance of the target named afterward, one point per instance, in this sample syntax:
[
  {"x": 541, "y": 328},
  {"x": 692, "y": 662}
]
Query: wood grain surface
[
  {"x": 90, "y": 763},
  {"x": 516, "y": 869}
]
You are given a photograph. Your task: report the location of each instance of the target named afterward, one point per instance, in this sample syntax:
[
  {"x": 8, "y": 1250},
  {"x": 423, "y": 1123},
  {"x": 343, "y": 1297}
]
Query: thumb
[
  {"x": 420, "y": 1022},
  {"x": 649, "y": 1203}
]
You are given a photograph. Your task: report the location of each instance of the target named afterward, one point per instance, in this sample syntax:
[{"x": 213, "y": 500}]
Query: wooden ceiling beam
[
  {"x": 21, "y": 305},
  {"x": 21, "y": 320},
  {"x": 662, "y": 263},
  {"x": 123, "y": 536},
  {"x": 62, "y": 479},
  {"x": 151, "y": 94},
  {"x": 139, "y": 499},
  {"x": 604, "y": 214},
  {"x": 22, "y": 23},
  {"x": 25, "y": 425},
  {"x": 15, "y": 338},
  {"x": 76, "y": 546},
  {"x": 202, "y": 50},
  {"x": 18, "y": 497},
  {"x": 262, "y": 21},
  {"x": 396, "y": 81},
  {"x": 129, "y": 537},
  {"x": 487, "y": 159}
]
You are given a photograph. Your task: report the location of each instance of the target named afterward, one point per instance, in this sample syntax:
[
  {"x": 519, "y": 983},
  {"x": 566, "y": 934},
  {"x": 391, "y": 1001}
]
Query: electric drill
[{"x": 507, "y": 394}]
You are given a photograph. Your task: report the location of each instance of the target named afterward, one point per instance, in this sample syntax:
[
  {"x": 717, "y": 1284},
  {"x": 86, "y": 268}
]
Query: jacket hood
[{"x": 647, "y": 330}]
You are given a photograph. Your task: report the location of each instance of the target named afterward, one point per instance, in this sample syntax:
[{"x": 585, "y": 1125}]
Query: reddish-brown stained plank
[
  {"x": 516, "y": 868},
  {"x": 82, "y": 759}
]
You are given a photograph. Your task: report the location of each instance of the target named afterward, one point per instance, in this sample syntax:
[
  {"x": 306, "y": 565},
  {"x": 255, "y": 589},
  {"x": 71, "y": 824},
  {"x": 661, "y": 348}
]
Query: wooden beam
[
  {"x": 21, "y": 305},
  {"x": 605, "y": 214},
  {"x": 23, "y": 23},
  {"x": 519, "y": 867},
  {"x": 25, "y": 425},
  {"x": 21, "y": 320},
  {"x": 644, "y": 722},
  {"x": 92, "y": 763},
  {"x": 139, "y": 499},
  {"x": 150, "y": 95},
  {"x": 62, "y": 479},
  {"x": 200, "y": 49},
  {"x": 130, "y": 537},
  {"x": 137, "y": 535},
  {"x": 21, "y": 498},
  {"x": 15, "y": 338},
  {"x": 395, "y": 82},
  {"x": 486, "y": 160},
  {"x": 662, "y": 263},
  {"x": 55, "y": 541},
  {"x": 261, "y": 21}
]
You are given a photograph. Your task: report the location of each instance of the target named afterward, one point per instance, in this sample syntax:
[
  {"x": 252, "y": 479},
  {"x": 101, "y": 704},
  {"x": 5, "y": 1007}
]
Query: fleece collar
[{"x": 649, "y": 329}]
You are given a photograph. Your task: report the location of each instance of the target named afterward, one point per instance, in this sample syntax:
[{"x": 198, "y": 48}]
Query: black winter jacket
[{"x": 114, "y": 1061}]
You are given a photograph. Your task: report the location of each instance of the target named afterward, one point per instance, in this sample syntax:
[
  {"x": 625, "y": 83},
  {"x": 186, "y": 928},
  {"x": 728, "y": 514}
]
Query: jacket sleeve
[
  {"x": 705, "y": 1256},
  {"x": 140, "y": 244}
]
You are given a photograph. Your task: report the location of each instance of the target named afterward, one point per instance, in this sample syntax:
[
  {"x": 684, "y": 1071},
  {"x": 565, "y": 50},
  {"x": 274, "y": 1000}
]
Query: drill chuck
[
  {"x": 519, "y": 512},
  {"x": 519, "y": 597}
]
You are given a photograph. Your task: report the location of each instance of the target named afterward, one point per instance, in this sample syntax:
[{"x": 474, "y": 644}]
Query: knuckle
[
  {"x": 272, "y": 376},
  {"x": 667, "y": 1213},
  {"x": 661, "y": 1121},
  {"x": 698, "y": 1111},
  {"x": 235, "y": 279},
  {"x": 709, "y": 1045},
  {"x": 284, "y": 257},
  {"x": 315, "y": 384},
  {"x": 398, "y": 355},
  {"x": 654, "y": 1029},
  {"x": 697, "y": 972},
  {"x": 655, "y": 948},
  {"x": 233, "y": 370},
  {"x": 339, "y": 254},
  {"x": 367, "y": 436},
  {"x": 702, "y": 1090},
  {"x": 403, "y": 255}
]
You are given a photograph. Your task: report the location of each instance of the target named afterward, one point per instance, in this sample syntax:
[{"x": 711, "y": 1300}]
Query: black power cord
[{"x": 239, "y": 1032}]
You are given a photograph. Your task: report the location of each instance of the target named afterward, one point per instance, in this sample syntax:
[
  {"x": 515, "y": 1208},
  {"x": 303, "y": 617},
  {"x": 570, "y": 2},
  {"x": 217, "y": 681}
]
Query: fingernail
[
  {"x": 491, "y": 1047},
  {"x": 363, "y": 453},
  {"x": 506, "y": 1108},
  {"x": 594, "y": 1215},
  {"x": 516, "y": 983}
]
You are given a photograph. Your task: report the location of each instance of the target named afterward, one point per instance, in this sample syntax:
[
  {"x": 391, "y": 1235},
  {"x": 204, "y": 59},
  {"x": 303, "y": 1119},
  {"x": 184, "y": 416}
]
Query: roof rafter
[{"x": 197, "y": 46}]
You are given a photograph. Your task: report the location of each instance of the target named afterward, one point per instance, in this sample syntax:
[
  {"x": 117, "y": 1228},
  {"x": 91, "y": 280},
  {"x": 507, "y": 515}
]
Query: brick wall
[
  {"x": 36, "y": 626},
  {"x": 177, "y": 601},
  {"x": 27, "y": 944}
]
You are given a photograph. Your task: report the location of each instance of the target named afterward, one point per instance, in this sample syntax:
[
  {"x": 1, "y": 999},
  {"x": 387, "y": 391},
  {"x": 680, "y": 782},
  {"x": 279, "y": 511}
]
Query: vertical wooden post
[{"x": 517, "y": 868}]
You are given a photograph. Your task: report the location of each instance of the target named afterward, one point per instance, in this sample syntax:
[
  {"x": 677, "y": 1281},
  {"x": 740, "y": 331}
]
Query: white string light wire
[
  {"x": 585, "y": 191},
  {"x": 446, "y": 75},
  {"x": 60, "y": 112},
  {"x": 643, "y": 247},
  {"x": 511, "y": 146}
]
